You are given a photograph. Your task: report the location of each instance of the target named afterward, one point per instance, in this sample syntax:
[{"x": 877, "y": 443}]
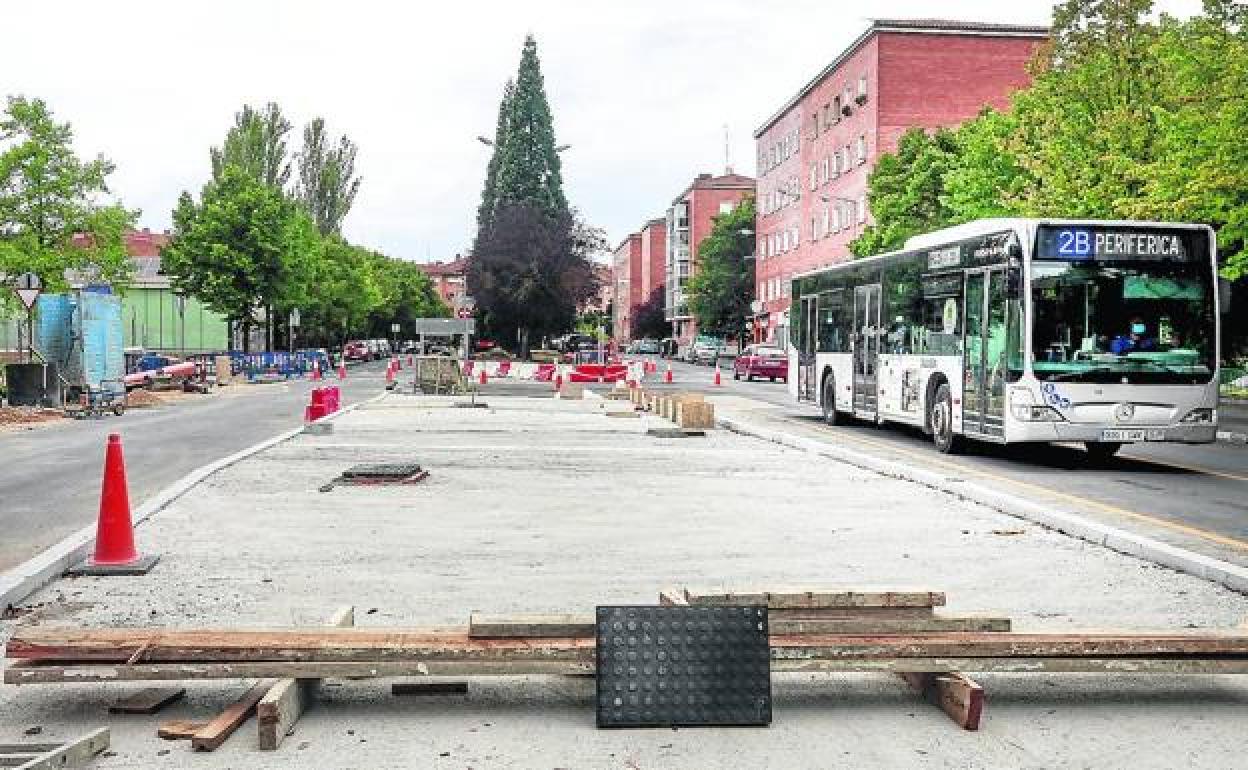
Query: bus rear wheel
[
  {"x": 829, "y": 400},
  {"x": 940, "y": 417}
]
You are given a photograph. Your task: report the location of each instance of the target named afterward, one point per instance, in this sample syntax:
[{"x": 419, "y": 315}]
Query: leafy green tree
[
  {"x": 243, "y": 248},
  {"x": 407, "y": 294},
  {"x": 722, "y": 287},
  {"x": 256, "y": 144},
  {"x": 345, "y": 293},
  {"x": 906, "y": 190},
  {"x": 528, "y": 162},
  {"x": 984, "y": 177},
  {"x": 48, "y": 195},
  {"x": 327, "y": 183}
]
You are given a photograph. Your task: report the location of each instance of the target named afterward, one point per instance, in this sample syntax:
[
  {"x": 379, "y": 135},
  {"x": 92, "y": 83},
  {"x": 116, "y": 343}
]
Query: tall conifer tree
[
  {"x": 528, "y": 163},
  {"x": 489, "y": 195}
]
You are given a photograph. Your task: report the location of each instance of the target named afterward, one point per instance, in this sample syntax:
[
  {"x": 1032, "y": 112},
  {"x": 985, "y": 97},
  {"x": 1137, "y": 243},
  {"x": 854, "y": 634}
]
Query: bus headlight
[
  {"x": 1024, "y": 407},
  {"x": 1200, "y": 417}
]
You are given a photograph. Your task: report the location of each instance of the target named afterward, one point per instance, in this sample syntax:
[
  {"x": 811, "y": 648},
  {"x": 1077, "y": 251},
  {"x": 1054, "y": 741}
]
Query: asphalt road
[
  {"x": 50, "y": 476},
  {"x": 1195, "y": 496}
]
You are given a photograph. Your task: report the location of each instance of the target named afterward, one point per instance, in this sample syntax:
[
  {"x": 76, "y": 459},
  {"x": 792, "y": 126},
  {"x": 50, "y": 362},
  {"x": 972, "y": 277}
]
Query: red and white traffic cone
[
  {"x": 558, "y": 380},
  {"x": 398, "y": 363},
  {"x": 483, "y": 378},
  {"x": 668, "y": 377},
  {"x": 390, "y": 372},
  {"x": 114, "y": 534},
  {"x": 718, "y": 381},
  {"x": 342, "y": 371},
  {"x": 411, "y": 360}
]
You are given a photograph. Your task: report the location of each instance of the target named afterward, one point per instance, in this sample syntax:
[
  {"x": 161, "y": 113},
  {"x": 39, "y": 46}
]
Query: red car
[
  {"x": 761, "y": 361},
  {"x": 356, "y": 350}
]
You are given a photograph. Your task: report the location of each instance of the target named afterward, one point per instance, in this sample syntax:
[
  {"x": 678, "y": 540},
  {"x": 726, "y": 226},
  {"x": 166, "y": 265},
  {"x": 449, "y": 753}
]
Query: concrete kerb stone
[
  {"x": 35, "y": 573},
  {"x": 1149, "y": 549},
  {"x": 1230, "y": 437}
]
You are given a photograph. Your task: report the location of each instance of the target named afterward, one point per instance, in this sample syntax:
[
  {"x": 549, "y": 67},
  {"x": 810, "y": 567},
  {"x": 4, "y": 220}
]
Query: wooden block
[
  {"x": 179, "y": 729},
  {"x": 959, "y": 696},
  {"x": 543, "y": 626},
  {"x": 572, "y": 390},
  {"x": 881, "y": 624},
  {"x": 429, "y": 688},
  {"x": 796, "y": 598},
  {"x": 148, "y": 700},
  {"x": 285, "y": 702},
  {"x": 670, "y": 597},
  {"x": 695, "y": 415},
  {"x": 213, "y": 734},
  {"x": 622, "y": 414}
]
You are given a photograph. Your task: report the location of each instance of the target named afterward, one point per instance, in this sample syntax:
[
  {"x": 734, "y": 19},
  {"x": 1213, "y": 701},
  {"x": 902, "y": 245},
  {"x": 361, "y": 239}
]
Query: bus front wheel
[
  {"x": 940, "y": 417},
  {"x": 829, "y": 400},
  {"x": 1102, "y": 451}
]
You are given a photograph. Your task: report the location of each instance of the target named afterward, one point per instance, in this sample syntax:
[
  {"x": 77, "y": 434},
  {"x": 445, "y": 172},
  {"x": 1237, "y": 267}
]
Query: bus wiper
[{"x": 1082, "y": 372}]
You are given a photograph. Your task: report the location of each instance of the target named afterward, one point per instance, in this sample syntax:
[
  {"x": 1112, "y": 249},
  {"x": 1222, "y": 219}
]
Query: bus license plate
[{"x": 1124, "y": 435}]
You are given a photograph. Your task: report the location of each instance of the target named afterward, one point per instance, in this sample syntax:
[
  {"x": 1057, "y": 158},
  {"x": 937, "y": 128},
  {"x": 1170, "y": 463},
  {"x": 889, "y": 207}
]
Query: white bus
[{"x": 1019, "y": 330}]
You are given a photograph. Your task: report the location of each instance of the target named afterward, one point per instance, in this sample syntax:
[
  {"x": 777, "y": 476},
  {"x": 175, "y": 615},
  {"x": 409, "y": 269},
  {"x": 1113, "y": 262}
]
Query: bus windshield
[{"x": 1130, "y": 321}]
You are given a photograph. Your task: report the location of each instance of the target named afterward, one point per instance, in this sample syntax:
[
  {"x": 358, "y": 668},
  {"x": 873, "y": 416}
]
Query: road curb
[
  {"x": 1229, "y": 575},
  {"x": 23, "y": 580},
  {"x": 1230, "y": 437}
]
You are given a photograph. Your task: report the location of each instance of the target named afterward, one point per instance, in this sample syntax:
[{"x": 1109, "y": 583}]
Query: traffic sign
[
  {"x": 464, "y": 313},
  {"x": 28, "y": 281},
  {"x": 394, "y": 328},
  {"x": 28, "y": 296}
]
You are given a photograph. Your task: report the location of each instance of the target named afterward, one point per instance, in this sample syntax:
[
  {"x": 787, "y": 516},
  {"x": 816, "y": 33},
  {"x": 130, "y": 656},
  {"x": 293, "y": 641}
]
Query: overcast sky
[{"x": 642, "y": 90}]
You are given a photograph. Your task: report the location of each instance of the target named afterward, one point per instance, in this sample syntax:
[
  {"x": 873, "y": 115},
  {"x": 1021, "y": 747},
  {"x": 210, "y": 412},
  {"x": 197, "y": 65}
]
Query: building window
[
  {"x": 862, "y": 89},
  {"x": 725, "y": 207},
  {"x": 836, "y": 109},
  {"x": 846, "y": 100},
  {"x": 845, "y": 158},
  {"x": 814, "y": 172},
  {"x": 862, "y": 208},
  {"x": 861, "y": 149}
]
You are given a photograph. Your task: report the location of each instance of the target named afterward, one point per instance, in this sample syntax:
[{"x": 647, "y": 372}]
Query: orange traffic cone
[
  {"x": 316, "y": 371},
  {"x": 482, "y": 379},
  {"x": 398, "y": 364},
  {"x": 390, "y": 372},
  {"x": 668, "y": 377},
  {"x": 558, "y": 380},
  {"x": 718, "y": 382},
  {"x": 114, "y": 534},
  {"x": 342, "y": 371}
]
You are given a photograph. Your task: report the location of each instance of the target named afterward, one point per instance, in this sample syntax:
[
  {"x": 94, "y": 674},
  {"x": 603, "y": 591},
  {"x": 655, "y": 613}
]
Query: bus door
[
  {"x": 866, "y": 348},
  {"x": 984, "y": 350},
  {"x": 807, "y": 344}
]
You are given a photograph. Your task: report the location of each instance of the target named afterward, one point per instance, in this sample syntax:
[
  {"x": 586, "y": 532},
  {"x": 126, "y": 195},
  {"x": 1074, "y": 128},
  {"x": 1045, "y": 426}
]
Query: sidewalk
[
  {"x": 539, "y": 505},
  {"x": 1233, "y": 421}
]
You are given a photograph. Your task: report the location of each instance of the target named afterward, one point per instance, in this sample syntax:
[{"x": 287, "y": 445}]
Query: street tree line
[
  {"x": 1127, "y": 117},
  {"x": 256, "y": 246}
]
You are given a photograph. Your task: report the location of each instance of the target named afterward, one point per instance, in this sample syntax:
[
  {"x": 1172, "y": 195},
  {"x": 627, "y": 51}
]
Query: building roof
[
  {"x": 708, "y": 182},
  {"x": 456, "y": 266},
  {"x": 913, "y": 27}
]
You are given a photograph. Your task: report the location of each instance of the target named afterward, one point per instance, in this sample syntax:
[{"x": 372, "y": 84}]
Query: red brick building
[
  {"x": 689, "y": 221},
  {"x": 638, "y": 263},
  {"x": 448, "y": 279},
  {"x": 626, "y": 264},
  {"x": 815, "y": 152}
]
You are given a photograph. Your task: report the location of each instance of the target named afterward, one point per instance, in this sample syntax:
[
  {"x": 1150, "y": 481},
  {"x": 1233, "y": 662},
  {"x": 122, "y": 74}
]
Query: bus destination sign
[{"x": 1110, "y": 243}]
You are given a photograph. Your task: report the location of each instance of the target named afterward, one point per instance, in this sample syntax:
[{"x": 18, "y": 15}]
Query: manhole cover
[
  {"x": 683, "y": 666},
  {"x": 378, "y": 474},
  {"x": 675, "y": 433}
]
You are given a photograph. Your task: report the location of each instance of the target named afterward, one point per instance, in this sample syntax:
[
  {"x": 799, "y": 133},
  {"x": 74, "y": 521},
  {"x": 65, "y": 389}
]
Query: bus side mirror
[{"x": 1224, "y": 295}]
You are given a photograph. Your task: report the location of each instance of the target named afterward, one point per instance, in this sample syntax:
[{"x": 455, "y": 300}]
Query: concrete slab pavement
[{"x": 537, "y": 504}]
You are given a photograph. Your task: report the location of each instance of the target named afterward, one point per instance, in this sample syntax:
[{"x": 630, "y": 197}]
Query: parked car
[
  {"x": 668, "y": 347},
  {"x": 647, "y": 347},
  {"x": 357, "y": 350},
  {"x": 705, "y": 350},
  {"x": 761, "y": 361}
]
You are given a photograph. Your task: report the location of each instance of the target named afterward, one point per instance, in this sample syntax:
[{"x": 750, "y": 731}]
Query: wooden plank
[
  {"x": 57, "y": 674},
  {"x": 212, "y": 735},
  {"x": 179, "y": 729},
  {"x": 878, "y": 624},
  {"x": 285, "y": 702},
  {"x": 330, "y": 644},
  {"x": 822, "y": 613},
  {"x": 993, "y": 644},
  {"x": 429, "y": 688},
  {"x": 535, "y": 626},
  {"x": 71, "y": 753},
  {"x": 149, "y": 700},
  {"x": 959, "y": 696},
  {"x": 139, "y": 672},
  {"x": 794, "y": 598}
]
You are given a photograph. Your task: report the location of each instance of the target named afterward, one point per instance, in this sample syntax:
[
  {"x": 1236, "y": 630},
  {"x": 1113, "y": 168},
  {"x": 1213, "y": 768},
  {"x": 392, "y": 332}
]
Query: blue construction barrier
[{"x": 278, "y": 363}]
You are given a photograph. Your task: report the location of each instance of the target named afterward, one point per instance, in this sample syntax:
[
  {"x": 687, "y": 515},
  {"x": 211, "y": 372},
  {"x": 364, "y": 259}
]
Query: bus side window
[{"x": 903, "y": 307}]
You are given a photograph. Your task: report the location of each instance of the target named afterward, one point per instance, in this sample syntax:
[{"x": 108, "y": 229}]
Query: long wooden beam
[
  {"x": 580, "y": 626},
  {"x": 352, "y": 644},
  {"x": 52, "y": 673},
  {"x": 805, "y": 598}
]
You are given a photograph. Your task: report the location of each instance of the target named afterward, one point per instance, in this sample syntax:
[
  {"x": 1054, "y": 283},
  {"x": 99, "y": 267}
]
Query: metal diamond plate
[{"x": 683, "y": 666}]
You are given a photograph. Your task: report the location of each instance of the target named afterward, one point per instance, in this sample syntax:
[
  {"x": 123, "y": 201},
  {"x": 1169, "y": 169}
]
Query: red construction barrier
[
  {"x": 544, "y": 373},
  {"x": 598, "y": 373}
]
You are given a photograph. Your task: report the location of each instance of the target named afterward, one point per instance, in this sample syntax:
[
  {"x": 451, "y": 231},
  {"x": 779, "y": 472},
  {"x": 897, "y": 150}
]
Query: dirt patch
[
  {"x": 26, "y": 417},
  {"x": 142, "y": 399}
]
